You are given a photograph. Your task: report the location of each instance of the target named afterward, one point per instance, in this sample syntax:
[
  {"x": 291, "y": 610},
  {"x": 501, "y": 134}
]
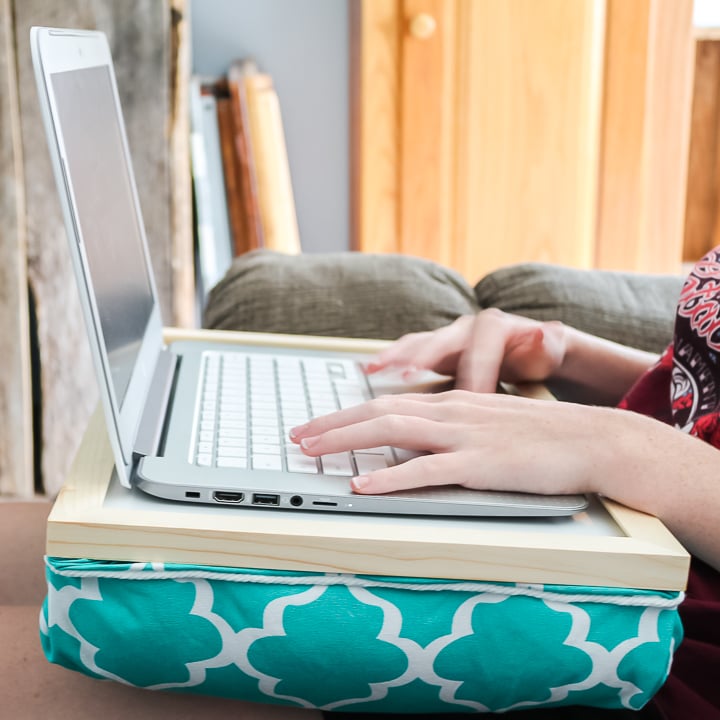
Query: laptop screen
[{"x": 109, "y": 224}]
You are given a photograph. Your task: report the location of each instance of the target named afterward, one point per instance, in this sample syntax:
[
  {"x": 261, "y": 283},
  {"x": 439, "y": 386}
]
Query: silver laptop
[{"x": 197, "y": 421}]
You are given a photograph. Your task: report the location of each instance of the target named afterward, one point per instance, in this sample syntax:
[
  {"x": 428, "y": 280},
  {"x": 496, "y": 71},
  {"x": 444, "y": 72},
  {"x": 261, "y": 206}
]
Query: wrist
[
  {"x": 602, "y": 369},
  {"x": 573, "y": 365}
]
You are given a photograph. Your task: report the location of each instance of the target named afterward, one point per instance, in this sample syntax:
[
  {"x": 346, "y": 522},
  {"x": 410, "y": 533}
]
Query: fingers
[
  {"x": 396, "y": 404},
  {"x": 479, "y": 366},
  {"x": 450, "y": 406},
  {"x": 510, "y": 348},
  {"x": 531, "y": 356},
  {"x": 404, "y": 431},
  {"x": 437, "y": 350},
  {"x": 399, "y": 354},
  {"x": 480, "y": 350},
  {"x": 421, "y": 472},
  {"x": 467, "y": 433}
]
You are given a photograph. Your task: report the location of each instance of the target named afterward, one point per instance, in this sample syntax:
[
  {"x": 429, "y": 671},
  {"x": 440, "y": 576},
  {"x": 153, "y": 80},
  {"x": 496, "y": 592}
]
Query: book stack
[{"x": 241, "y": 176}]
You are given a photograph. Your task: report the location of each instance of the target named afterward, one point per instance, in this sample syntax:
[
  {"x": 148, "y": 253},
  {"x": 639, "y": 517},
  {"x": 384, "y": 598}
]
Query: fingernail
[
  {"x": 294, "y": 432},
  {"x": 371, "y": 367},
  {"x": 360, "y": 482},
  {"x": 307, "y": 443}
]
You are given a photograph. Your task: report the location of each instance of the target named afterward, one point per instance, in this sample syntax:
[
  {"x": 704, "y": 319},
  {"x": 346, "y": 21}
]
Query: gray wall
[{"x": 304, "y": 45}]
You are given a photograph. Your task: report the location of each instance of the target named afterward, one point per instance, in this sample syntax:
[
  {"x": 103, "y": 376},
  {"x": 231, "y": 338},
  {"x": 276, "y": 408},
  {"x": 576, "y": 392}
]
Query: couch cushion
[
  {"x": 342, "y": 641},
  {"x": 33, "y": 689},
  {"x": 631, "y": 308},
  {"x": 341, "y": 294}
]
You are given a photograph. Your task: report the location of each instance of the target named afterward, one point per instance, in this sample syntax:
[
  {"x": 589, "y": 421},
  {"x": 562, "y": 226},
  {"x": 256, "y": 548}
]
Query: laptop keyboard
[{"x": 248, "y": 402}]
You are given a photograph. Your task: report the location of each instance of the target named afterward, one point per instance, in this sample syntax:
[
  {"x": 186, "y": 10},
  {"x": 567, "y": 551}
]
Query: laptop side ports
[
  {"x": 265, "y": 499},
  {"x": 224, "y": 496}
]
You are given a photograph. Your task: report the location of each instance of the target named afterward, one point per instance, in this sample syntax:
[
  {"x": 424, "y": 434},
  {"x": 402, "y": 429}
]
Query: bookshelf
[
  {"x": 304, "y": 48},
  {"x": 243, "y": 190}
]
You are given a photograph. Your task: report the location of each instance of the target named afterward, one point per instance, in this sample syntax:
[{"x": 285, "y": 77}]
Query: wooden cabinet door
[
  {"x": 480, "y": 133},
  {"x": 647, "y": 101}
]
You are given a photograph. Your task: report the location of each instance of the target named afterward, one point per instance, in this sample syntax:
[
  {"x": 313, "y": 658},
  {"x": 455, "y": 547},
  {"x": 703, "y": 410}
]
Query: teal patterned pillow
[{"x": 345, "y": 642}]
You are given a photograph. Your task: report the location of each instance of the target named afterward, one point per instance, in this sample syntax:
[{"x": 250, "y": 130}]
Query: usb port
[
  {"x": 265, "y": 499},
  {"x": 223, "y": 496}
]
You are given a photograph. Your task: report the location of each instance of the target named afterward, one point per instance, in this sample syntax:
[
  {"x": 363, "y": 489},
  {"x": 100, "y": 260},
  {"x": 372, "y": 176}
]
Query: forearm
[
  {"x": 602, "y": 370},
  {"x": 662, "y": 471}
]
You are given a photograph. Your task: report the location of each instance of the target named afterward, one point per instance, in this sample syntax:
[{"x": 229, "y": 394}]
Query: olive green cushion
[
  {"x": 634, "y": 309},
  {"x": 340, "y": 294},
  {"x": 385, "y": 296}
]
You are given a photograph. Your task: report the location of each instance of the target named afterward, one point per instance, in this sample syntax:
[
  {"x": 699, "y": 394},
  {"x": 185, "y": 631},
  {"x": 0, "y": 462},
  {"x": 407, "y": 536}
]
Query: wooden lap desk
[{"x": 609, "y": 545}]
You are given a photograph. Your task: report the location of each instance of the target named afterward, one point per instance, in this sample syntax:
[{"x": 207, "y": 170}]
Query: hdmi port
[{"x": 228, "y": 497}]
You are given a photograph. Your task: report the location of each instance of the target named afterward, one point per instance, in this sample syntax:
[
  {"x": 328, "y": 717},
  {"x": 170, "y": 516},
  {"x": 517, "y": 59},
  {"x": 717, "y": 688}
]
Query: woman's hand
[
  {"x": 493, "y": 345},
  {"x": 482, "y": 349},
  {"x": 481, "y": 441}
]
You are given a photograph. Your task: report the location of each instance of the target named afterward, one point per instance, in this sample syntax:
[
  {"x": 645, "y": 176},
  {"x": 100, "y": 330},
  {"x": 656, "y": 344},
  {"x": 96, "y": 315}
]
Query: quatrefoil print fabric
[{"x": 370, "y": 644}]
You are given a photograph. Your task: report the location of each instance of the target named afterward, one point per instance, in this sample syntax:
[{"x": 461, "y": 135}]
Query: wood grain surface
[
  {"x": 16, "y": 470},
  {"x": 146, "y": 39}
]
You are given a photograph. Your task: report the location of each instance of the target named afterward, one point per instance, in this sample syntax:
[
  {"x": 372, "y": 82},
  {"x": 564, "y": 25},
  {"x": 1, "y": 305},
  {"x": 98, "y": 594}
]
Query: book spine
[
  {"x": 275, "y": 194},
  {"x": 231, "y": 169},
  {"x": 245, "y": 160},
  {"x": 213, "y": 231}
]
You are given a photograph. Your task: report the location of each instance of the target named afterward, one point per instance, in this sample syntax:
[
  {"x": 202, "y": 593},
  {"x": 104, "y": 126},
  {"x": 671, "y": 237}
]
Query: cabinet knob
[{"x": 423, "y": 26}]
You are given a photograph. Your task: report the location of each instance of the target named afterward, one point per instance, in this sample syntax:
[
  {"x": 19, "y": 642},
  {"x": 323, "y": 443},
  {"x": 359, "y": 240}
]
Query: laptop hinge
[{"x": 152, "y": 423}]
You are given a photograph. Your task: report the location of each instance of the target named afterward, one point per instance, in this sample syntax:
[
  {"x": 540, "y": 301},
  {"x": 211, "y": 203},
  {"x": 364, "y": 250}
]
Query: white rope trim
[{"x": 654, "y": 601}]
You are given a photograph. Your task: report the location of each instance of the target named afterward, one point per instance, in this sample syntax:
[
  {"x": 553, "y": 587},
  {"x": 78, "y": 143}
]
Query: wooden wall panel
[
  {"x": 702, "y": 229},
  {"x": 182, "y": 265},
  {"x": 646, "y": 120},
  {"x": 478, "y": 144},
  {"x": 16, "y": 470},
  {"x": 669, "y": 91},
  {"x": 624, "y": 106},
  {"x": 428, "y": 117},
  {"x": 552, "y": 130},
  {"x": 530, "y": 76},
  {"x": 141, "y": 34},
  {"x": 375, "y": 130}
]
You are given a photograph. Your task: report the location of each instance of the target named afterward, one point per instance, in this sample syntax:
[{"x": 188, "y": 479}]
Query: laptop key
[
  {"x": 267, "y": 449},
  {"x": 405, "y": 455},
  {"x": 228, "y": 452},
  {"x": 337, "y": 464},
  {"x": 232, "y": 442},
  {"x": 367, "y": 462},
  {"x": 302, "y": 464},
  {"x": 265, "y": 438},
  {"x": 348, "y": 400},
  {"x": 266, "y": 462},
  {"x": 232, "y": 462}
]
